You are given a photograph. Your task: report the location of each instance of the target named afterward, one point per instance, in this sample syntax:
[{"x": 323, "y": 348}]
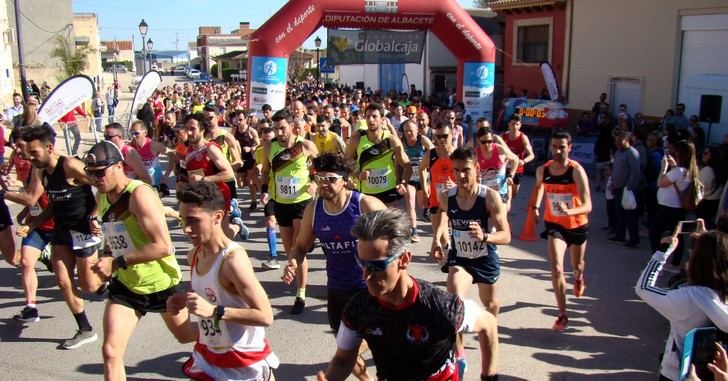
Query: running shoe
[
  {"x": 579, "y": 286},
  {"x": 45, "y": 258},
  {"x": 561, "y": 323},
  {"x": 234, "y": 209},
  {"x": 414, "y": 237},
  {"x": 79, "y": 339},
  {"x": 27, "y": 315},
  {"x": 298, "y": 306},
  {"x": 271, "y": 264},
  {"x": 253, "y": 206},
  {"x": 244, "y": 232},
  {"x": 462, "y": 366}
]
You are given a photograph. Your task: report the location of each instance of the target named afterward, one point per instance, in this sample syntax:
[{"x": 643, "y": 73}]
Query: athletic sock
[
  {"x": 31, "y": 304},
  {"x": 82, "y": 321},
  {"x": 301, "y": 293},
  {"x": 272, "y": 239}
]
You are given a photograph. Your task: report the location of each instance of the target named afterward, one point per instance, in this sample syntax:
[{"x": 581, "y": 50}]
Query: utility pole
[
  {"x": 21, "y": 54},
  {"x": 176, "y": 40}
]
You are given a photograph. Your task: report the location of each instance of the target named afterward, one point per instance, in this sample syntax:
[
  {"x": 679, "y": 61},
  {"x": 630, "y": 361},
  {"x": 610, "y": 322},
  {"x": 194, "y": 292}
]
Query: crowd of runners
[{"x": 358, "y": 171}]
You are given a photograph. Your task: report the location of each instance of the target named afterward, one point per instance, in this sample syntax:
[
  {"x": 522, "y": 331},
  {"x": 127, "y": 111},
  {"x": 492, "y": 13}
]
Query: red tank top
[
  {"x": 145, "y": 151},
  {"x": 197, "y": 160},
  {"x": 440, "y": 172},
  {"x": 493, "y": 163},
  {"x": 562, "y": 188},
  {"x": 516, "y": 145},
  {"x": 127, "y": 169},
  {"x": 42, "y": 204}
]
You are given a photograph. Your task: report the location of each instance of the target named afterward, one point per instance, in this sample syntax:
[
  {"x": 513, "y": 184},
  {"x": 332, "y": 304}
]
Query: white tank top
[{"x": 227, "y": 336}]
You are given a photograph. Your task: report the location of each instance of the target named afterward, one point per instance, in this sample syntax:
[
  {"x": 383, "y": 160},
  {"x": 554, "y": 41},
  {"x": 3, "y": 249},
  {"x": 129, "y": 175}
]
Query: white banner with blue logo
[
  {"x": 268, "y": 82},
  {"x": 478, "y": 86}
]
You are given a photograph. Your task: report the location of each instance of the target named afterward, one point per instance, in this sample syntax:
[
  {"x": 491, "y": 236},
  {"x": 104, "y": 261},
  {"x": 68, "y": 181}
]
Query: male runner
[
  {"x": 376, "y": 151},
  {"x": 286, "y": 162},
  {"x": 568, "y": 204},
  {"x": 247, "y": 139},
  {"x": 519, "y": 144},
  {"x": 205, "y": 162},
  {"x": 409, "y": 324},
  {"x": 142, "y": 269},
  {"x": 436, "y": 162},
  {"x": 266, "y": 135},
  {"x": 74, "y": 245},
  {"x": 230, "y": 151},
  {"x": 327, "y": 141},
  {"x": 330, "y": 219},
  {"x": 415, "y": 146},
  {"x": 230, "y": 304},
  {"x": 133, "y": 164}
]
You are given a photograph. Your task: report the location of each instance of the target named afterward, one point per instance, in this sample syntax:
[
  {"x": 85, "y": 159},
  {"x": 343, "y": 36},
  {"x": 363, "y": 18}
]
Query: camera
[{"x": 687, "y": 227}]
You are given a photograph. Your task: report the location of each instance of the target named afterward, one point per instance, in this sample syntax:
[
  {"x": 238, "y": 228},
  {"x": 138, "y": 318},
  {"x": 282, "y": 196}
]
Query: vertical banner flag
[
  {"x": 550, "y": 78},
  {"x": 144, "y": 90},
  {"x": 478, "y": 86},
  {"x": 65, "y": 97},
  {"x": 268, "y": 82}
]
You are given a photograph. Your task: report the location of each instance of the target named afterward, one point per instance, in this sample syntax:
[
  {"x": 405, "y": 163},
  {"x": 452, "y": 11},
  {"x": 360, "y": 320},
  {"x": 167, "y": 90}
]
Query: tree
[
  {"x": 481, "y": 3},
  {"x": 74, "y": 60}
]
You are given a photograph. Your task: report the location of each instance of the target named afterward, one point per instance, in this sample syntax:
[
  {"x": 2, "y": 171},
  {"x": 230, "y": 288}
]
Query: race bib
[
  {"x": 468, "y": 246},
  {"x": 415, "y": 173},
  {"x": 118, "y": 238},
  {"x": 378, "y": 178},
  {"x": 555, "y": 198},
  {"x": 214, "y": 336},
  {"x": 288, "y": 187},
  {"x": 35, "y": 210},
  {"x": 83, "y": 240}
]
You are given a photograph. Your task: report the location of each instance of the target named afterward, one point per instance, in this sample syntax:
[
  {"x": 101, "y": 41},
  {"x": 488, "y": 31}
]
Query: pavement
[{"x": 612, "y": 334}]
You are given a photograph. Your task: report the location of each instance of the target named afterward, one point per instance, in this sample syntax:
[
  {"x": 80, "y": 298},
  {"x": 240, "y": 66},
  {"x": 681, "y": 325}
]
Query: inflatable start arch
[{"x": 271, "y": 45}]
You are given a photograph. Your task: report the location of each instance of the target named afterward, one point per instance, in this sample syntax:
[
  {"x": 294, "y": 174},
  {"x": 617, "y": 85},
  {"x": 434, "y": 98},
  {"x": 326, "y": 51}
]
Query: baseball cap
[
  {"x": 103, "y": 154},
  {"x": 411, "y": 109}
]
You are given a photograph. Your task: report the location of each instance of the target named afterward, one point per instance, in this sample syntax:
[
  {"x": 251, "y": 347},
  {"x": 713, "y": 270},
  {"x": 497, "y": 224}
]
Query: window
[{"x": 533, "y": 43}]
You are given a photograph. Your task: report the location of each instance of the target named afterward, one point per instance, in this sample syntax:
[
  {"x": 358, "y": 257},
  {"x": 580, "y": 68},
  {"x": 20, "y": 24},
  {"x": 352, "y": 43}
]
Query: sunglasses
[
  {"x": 97, "y": 173},
  {"x": 135, "y": 133},
  {"x": 378, "y": 265},
  {"x": 109, "y": 137},
  {"x": 327, "y": 179},
  {"x": 486, "y": 141},
  {"x": 442, "y": 136}
]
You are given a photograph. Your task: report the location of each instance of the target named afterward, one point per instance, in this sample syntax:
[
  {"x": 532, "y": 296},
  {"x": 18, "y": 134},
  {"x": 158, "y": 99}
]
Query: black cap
[{"x": 103, "y": 154}]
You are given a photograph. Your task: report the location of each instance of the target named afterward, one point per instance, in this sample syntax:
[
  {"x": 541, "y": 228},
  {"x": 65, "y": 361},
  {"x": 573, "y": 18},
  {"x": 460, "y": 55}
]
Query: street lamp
[
  {"x": 143, "y": 27},
  {"x": 317, "y": 41},
  {"x": 115, "y": 77},
  {"x": 150, "y": 45}
]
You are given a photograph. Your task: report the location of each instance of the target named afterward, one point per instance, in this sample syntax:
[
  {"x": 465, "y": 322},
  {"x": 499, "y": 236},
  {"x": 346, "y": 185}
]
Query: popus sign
[{"x": 353, "y": 47}]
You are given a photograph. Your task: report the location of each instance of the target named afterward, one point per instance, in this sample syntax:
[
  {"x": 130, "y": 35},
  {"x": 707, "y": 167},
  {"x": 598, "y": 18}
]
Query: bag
[
  {"x": 629, "y": 202},
  {"x": 691, "y": 197}
]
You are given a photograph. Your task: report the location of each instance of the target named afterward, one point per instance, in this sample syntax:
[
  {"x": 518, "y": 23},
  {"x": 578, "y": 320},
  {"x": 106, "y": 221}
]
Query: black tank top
[
  {"x": 244, "y": 138},
  {"x": 462, "y": 244},
  {"x": 71, "y": 204}
]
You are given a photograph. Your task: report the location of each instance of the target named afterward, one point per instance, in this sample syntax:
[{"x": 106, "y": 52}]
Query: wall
[
  {"x": 7, "y": 75},
  {"x": 627, "y": 38},
  {"x": 87, "y": 25}
]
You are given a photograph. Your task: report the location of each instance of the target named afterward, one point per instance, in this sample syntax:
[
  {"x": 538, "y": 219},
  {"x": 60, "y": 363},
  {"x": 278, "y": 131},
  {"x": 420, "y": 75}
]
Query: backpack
[{"x": 691, "y": 197}]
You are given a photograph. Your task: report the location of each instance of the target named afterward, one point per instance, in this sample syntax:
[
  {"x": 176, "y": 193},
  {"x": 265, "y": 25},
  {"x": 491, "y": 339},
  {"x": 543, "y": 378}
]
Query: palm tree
[{"x": 74, "y": 60}]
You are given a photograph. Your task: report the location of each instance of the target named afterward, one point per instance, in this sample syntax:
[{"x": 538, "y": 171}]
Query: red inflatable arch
[{"x": 271, "y": 44}]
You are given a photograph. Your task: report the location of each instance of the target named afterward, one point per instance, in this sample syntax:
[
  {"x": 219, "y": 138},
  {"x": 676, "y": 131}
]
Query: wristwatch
[
  {"x": 93, "y": 218},
  {"x": 219, "y": 312},
  {"x": 121, "y": 262},
  {"x": 485, "y": 237}
]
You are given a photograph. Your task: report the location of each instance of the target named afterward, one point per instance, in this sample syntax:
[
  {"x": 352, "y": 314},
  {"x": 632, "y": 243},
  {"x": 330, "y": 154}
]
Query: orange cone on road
[{"x": 529, "y": 228}]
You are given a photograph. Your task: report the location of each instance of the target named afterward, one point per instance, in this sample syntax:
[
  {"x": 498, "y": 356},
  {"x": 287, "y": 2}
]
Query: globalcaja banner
[
  {"x": 268, "y": 82},
  {"x": 538, "y": 112},
  {"x": 478, "y": 86},
  {"x": 354, "y": 47}
]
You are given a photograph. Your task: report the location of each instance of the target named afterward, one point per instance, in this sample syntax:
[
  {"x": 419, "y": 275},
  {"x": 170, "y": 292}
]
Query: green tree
[
  {"x": 74, "y": 60},
  {"x": 481, "y": 3}
]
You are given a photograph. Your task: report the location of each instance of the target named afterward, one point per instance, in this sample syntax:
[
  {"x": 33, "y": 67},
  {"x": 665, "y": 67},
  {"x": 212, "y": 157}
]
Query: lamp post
[
  {"x": 115, "y": 77},
  {"x": 317, "y": 41},
  {"x": 150, "y": 45},
  {"x": 143, "y": 27}
]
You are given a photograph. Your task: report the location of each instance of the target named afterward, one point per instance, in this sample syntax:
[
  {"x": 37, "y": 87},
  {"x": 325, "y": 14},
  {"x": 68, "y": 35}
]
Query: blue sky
[{"x": 172, "y": 19}]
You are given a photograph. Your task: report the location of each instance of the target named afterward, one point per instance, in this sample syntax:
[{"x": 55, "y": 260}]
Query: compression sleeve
[{"x": 347, "y": 339}]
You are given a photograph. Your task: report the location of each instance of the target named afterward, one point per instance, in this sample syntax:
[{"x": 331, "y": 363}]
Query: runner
[
  {"x": 74, "y": 245},
  {"x": 497, "y": 164},
  {"x": 415, "y": 146},
  {"x": 436, "y": 172},
  {"x": 423, "y": 124},
  {"x": 266, "y": 135},
  {"x": 473, "y": 256},
  {"x": 177, "y": 159},
  {"x": 568, "y": 204},
  {"x": 142, "y": 269},
  {"x": 247, "y": 139},
  {"x": 377, "y": 149},
  {"x": 149, "y": 150},
  {"x": 327, "y": 141},
  {"x": 330, "y": 219},
  {"x": 231, "y": 306},
  {"x": 287, "y": 165},
  {"x": 230, "y": 151},
  {"x": 520, "y": 145},
  {"x": 337, "y": 124},
  {"x": 134, "y": 167},
  {"x": 204, "y": 162},
  {"x": 405, "y": 320}
]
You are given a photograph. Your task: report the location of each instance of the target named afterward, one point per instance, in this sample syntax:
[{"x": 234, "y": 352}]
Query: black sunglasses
[
  {"x": 442, "y": 136},
  {"x": 486, "y": 141},
  {"x": 97, "y": 173}
]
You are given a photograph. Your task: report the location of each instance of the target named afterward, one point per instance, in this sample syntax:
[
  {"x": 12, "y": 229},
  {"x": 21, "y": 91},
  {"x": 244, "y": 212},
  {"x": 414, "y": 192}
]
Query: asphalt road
[{"x": 612, "y": 334}]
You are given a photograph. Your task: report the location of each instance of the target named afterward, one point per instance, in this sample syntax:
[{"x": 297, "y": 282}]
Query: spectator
[
  {"x": 697, "y": 134},
  {"x": 603, "y": 148},
  {"x": 626, "y": 176},
  {"x": 652, "y": 173},
  {"x": 97, "y": 108},
  {"x": 146, "y": 115},
  {"x": 16, "y": 109},
  {"x": 111, "y": 102},
  {"x": 713, "y": 177}
]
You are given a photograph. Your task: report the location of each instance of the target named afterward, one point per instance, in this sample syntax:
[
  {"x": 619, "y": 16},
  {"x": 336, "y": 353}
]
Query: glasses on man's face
[
  {"x": 109, "y": 137},
  {"x": 442, "y": 136},
  {"x": 327, "y": 179},
  {"x": 97, "y": 173},
  {"x": 378, "y": 265},
  {"x": 135, "y": 133},
  {"x": 484, "y": 141}
]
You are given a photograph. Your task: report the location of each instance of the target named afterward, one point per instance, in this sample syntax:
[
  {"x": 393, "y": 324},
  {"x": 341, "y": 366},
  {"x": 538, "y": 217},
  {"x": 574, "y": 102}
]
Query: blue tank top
[
  {"x": 339, "y": 245},
  {"x": 414, "y": 154},
  {"x": 462, "y": 244}
]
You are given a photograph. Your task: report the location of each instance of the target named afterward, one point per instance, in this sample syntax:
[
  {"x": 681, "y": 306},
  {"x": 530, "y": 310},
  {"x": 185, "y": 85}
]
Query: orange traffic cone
[{"x": 529, "y": 228}]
